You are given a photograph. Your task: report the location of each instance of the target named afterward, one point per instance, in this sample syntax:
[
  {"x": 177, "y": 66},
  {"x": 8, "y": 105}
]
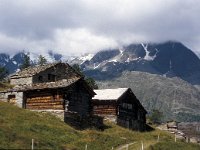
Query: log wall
[
  {"x": 104, "y": 109},
  {"x": 80, "y": 103},
  {"x": 41, "y": 101}
]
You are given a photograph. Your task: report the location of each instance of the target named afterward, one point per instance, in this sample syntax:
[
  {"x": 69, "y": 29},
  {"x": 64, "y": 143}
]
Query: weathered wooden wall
[
  {"x": 104, "y": 108},
  {"x": 130, "y": 113},
  {"x": 45, "y": 99},
  {"x": 79, "y": 99}
]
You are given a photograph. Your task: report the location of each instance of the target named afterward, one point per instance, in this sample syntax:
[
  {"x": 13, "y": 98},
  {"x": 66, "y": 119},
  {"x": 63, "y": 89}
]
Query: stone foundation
[
  {"x": 110, "y": 118},
  {"x": 82, "y": 122},
  {"x": 58, "y": 113}
]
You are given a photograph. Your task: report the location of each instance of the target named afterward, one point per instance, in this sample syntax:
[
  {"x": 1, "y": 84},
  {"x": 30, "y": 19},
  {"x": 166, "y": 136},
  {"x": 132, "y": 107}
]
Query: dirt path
[
  {"x": 122, "y": 147},
  {"x": 146, "y": 144}
]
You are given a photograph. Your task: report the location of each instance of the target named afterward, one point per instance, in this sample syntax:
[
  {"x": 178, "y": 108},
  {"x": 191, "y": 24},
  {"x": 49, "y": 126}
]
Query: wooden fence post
[
  {"x": 127, "y": 147},
  {"x": 142, "y": 146},
  {"x": 32, "y": 145},
  {"x": 175, "y": 137},
  {"x": 158, "y": 138}
]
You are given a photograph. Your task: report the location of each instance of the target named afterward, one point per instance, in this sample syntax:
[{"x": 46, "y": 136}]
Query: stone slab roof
[
  {"x": 46, "y": 85},
  {"x": 109, "y": 94},
  {"x": 33, "y": 70}
]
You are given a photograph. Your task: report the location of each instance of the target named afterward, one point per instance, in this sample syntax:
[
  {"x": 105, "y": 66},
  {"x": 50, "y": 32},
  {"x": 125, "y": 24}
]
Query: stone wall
[
  {"x": 18, "y": 100},
  {"x": 21, "y": 81},
  {"x": 110, "y": 118},
  {"x": 58, "y": 113},
  {"x": 3, "y": 97}
]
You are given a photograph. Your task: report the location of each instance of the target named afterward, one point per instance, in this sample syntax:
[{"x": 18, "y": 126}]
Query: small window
[
  {"x": 51, "y": 77},
  {"x": 40, "y": 78},
  {"x": 12, "y": 99},
  {"x": 127, "y": 106}
]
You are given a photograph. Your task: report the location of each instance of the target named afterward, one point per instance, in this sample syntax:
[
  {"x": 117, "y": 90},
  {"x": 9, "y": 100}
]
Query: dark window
[
  {"x": 51, "y": 77},
  {"x": 11, "y": 99},
  {"x": 40, "y": 78},
  {"x": 127, "y": 106}
]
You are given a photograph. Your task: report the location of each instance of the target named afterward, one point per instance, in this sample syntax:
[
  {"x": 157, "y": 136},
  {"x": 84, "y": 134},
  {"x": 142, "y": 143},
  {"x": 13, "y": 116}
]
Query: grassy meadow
[{"x": 19, "y": 126}]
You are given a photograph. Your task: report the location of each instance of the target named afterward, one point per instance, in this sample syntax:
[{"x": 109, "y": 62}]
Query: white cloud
[
  {"x": 12, "y": 45},
  {"x": 81, "y": 26},
  {"x": 76, "y": 41}
]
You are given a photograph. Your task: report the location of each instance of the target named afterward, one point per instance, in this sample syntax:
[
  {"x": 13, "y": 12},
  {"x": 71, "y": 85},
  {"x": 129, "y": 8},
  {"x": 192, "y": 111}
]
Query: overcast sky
[{"x": 81, "y": 26}]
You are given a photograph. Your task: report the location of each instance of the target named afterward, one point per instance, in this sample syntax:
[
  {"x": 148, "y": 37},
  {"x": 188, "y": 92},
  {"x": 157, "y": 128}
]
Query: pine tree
[
  {"x": 41, "y": 60},
  {"x": 90, "y": 81},
  {"x": 78, "y": 69},
  {"x": 26, "y": 62},
  {"x": 3, "y": 73}
]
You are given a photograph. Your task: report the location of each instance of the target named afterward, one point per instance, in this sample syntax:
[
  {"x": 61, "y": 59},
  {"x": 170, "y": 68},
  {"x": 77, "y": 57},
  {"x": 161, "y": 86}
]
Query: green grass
[
  {"x": 174, "y": 146},
  {"x": 19, "y": 126}
]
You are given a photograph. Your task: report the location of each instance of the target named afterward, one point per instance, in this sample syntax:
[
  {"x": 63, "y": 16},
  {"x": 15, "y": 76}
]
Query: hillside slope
[
  {"x": 176, "y": 98},
  {"x": 18, "y": 127}
]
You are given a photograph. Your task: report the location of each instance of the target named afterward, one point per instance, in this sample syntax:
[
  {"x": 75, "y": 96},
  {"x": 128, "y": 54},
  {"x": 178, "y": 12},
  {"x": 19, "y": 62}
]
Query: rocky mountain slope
[
  {"x": 176, "y": 98},
  {"x": 169, "y": 59}
]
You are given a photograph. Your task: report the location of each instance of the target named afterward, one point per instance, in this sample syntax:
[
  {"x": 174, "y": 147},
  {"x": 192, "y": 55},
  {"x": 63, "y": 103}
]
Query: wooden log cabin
[
  {"x": 51, "y": 87},
  {"x": 120, "y": 105}
]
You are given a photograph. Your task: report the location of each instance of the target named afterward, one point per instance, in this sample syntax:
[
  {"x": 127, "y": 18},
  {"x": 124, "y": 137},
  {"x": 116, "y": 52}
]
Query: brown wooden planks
[{"x": 46, "y": 107}]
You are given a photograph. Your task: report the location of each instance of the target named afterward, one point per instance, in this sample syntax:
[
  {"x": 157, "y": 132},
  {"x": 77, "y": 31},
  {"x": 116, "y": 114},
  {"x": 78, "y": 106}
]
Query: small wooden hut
[{"x": 122, "y": 105}]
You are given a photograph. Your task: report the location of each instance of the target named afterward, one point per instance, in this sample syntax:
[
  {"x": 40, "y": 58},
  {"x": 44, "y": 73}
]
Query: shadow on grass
[
  {"x": 85, "y": 122},
  {"x": 149, "y": 128}
]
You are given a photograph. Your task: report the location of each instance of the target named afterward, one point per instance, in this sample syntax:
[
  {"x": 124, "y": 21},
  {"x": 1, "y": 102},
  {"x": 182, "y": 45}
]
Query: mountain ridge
[{"x": 169, "y": 59}]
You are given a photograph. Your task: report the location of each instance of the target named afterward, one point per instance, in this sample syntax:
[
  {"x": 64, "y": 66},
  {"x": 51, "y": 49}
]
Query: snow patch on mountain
[
  {"x": 128, "y": 60},
  {"x": 14, "y": 62},
  {"x": 121, "y": 51},
  {"x": 96, "y": 66},
  {"x": 147, "y": 56},
  {"x": 113, "y": 60},
  {"x": 86, "y": 57},
  {"x": 34, "y": 57}
]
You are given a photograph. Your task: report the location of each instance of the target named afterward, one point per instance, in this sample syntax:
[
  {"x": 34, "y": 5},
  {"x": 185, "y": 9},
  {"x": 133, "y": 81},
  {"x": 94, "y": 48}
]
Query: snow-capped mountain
[
  {"x": 168, "y": 59},
  {"x": 80, "y": 59}
]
